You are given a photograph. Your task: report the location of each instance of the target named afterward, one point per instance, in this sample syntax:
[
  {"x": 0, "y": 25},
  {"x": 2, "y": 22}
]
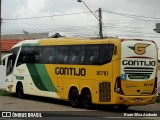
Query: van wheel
[
  {"x": 87, "y": 99},
  {"x": 74, "y": 98},
  {"x": 19, "y": 90}
]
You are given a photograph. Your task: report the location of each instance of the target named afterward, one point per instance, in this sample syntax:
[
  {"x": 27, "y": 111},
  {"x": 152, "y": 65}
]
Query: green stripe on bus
[
  {"x": 35, "y": 77},
  {"x": 42, "y": 71}
]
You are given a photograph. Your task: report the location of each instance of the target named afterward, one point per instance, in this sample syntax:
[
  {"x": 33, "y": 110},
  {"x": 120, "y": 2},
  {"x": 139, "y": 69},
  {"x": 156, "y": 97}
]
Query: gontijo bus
[{"x": 107, "y": 71}]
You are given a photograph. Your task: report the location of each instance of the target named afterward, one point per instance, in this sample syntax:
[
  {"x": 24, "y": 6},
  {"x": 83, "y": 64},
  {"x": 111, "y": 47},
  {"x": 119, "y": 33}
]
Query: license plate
[{"x": 138, "y": 100}]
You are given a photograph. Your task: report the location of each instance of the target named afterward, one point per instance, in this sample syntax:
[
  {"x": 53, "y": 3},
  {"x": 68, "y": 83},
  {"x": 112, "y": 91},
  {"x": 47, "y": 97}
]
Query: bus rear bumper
[{"x": 135, "y": 100}]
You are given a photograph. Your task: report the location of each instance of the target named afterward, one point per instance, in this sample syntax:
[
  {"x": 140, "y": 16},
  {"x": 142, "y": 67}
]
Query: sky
[{"x": 120, "y": 18}]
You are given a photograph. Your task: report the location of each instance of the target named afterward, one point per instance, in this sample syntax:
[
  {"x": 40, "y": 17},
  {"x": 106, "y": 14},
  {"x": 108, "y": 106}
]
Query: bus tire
[
  {"x": 74, "y": 98},
  {"x": 122, "y": 107},
  {"x": 19, "y": 90},
  {"x": 87, "y": 99}
]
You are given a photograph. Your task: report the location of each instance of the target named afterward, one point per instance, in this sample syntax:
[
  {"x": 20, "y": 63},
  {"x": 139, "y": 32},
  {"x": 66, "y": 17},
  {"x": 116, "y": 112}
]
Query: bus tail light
[
  {"x": 118, "y": 87},
  {"x": 122, "y": 40},
  {"x": 155, "y": 87}
]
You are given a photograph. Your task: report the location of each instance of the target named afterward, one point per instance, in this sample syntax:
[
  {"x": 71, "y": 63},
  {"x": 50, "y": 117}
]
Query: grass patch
[{"x": 5, "y": 93}]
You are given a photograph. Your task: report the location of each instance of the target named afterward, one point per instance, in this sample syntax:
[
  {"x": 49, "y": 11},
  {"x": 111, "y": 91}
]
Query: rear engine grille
[
  {"x": 138, "y": 71},
  {"x": 105, "y": 92}
]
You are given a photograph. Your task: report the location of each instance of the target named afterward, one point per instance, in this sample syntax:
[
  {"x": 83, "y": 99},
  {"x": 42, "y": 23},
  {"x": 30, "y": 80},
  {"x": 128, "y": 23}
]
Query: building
[
  {"x": 8, "y": 41},
  {"x": 25, "y": 36},
  {"x": 56, "y": 35}
]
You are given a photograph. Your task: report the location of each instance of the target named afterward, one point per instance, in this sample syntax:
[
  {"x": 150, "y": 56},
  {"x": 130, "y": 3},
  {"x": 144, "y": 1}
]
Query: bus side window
[
  {"x": 3, "y": 61},
  {"x": 62, "y": 55},
  {"x": 94, "y": 60},
  {"x": 75, "y": 60},
  {"x": 48, "y": 54},
  {"x": 106, "y": 53},
  {"x": 9, "y": 65},
  {"x": 77, "y": 54},
  {"x": 51, "y": 60},
  {"x": 23, "y": 56},
  {"x": 35, "y": 54},
  {"x": 25, "y": 59},
  {"x": 92, "y": 54},
  {"x": 14, "y": 51},
  {"x": 11, "y": 60},
  {"x": 31, "y": 55}
]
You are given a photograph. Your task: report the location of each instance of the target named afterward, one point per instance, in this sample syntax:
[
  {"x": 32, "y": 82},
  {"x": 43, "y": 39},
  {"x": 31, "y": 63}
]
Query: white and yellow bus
[{"x": 108, "y": 71}]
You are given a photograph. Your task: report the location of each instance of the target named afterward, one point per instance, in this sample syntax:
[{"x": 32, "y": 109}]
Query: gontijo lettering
[
  {"x": 138, "y": 63},
  {"x": 70, "y": 71}
]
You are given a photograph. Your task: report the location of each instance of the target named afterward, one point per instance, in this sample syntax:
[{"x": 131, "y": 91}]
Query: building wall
[
  {"x": 9, "y": 40},
  {"x": 25, "y": 36},
  {"x": 2, "y": 78}
]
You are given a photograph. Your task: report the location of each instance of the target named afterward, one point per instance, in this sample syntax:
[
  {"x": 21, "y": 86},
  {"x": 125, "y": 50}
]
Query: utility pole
[
  {"x": 0, "y": 33},
  {"x": 99, "y": 18},
  {"x": 100, "y": 23}
]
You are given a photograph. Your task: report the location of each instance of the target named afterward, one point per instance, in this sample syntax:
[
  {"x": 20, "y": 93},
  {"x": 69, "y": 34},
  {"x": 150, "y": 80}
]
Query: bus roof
[
  {"x": 71, "y": 41},
  {"x": 62, "y": 41}
]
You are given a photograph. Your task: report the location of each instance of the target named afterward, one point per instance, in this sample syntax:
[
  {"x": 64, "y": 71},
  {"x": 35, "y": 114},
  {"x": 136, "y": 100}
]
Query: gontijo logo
[{"x": 139, "y": 48}]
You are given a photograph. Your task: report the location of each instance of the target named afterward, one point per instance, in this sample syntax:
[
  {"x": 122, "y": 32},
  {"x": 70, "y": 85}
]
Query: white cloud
[{"x": 77, "y": 25}]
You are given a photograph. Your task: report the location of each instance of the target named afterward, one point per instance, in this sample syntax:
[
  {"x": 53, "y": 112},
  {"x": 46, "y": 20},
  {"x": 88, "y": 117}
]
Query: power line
[
  {"x": 35, "y": 24},
  {"x": 135, "y": 32},
  {"x": 125, "y": 27},
  {"x": 45, "y": 16},
  {"x": 63, "y": 29},
  {"x": 76, "y": 27},
  {"x": 137, "y": 36},
  {"x": 133, "y": 16},
  {"x": 69, "y": 28}
]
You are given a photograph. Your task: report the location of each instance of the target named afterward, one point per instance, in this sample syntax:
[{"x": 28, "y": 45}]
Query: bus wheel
[
  {"x": 19, "y": 90},
  {"x": 123, "y": 107},
  {"x": 74, "y": 98},
  {"x": 86, "y": 99}
]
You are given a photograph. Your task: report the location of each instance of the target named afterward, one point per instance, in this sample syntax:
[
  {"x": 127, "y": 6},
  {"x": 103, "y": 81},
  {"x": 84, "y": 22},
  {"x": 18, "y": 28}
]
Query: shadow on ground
[{"x": 96, "y": 110}]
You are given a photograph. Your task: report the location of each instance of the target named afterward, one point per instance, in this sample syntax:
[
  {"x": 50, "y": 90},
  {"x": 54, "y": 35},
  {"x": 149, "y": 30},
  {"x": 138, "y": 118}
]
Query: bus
[{"x": 118, "y": 72}]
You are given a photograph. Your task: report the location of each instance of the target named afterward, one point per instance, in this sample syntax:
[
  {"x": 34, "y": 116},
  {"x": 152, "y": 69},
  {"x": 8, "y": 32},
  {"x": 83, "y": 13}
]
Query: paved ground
[{"x": 54, "y": 107}]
